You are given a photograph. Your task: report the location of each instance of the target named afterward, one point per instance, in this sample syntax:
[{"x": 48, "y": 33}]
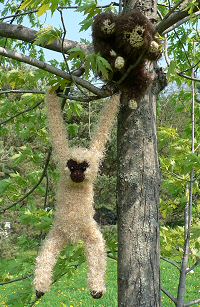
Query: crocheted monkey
[
  {"x": 74, "y": 211},
  {"x": 131, "y": 42}
]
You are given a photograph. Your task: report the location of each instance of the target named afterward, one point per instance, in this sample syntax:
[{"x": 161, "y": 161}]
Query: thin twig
[
  {"x": 186, "y": 54},
  {"x": 98, "y": 6},
  {"x": 59, "y": 8},
  {"x": 46, "y": 191},
  {"x": 166, "y": 51},
  {"x": 193, "y": 266},
  {"x": 188, "y": 213},
  {"x": 15, "y": 280},
  {"x": 70, "y": 97},
  {"x": 188, "y": 77},
  {"x": 89, "y": 121},
  {"x": 171, "y": 262},
  {"x": 21, "y": 92},
  {"x": 55, "y": 280},
  {"x": 131, "y": 67},
  {"x": 80, "y": 98},
  {"x": 172, "y": 298},
  {"x": 53, "y": 70},
  {"x": 20, "y": 113},
  {"x": 64, "y": 56},
  {"x": 18, "y": 15},
  {"x": 190, "y": 68},
  {"x": 192, "y": 303},
  {"x": 111, "y": 256},
  {"x": 34, "y": 187}
]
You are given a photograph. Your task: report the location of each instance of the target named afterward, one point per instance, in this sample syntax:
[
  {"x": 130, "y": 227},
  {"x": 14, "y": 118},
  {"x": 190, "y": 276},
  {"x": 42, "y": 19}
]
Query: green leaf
[
  {"x": 73, "y": 129},
  {"x": 86, "y": 24},
  {"x": 4, "y": 184},
  {"x": 26, "y": 4},
  {"x": 43, "y": 9},
  {"x": 103, "y": 67},
  {"x": 75, "y": 53},
  {"x": 47, "y": 36}
]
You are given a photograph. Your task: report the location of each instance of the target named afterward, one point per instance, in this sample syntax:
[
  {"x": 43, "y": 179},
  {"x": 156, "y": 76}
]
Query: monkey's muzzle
[{"x": 77, "y": 176}]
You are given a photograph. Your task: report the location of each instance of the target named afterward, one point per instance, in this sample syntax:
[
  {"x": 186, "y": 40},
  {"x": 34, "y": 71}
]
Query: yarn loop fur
[
  {"x": 132, "y": 35},
  {"x": 74, "y": 201}
]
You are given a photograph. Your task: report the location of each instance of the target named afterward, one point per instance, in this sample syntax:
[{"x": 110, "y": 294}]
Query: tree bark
[
  {"x": 138, "y": 203},
  {"x": 29, "y": 35}
]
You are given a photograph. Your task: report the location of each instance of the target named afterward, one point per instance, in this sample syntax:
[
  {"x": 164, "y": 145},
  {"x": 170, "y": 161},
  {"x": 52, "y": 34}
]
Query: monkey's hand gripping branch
[
  {"x": 57, "y": 128},
  {"x": 106, "y": 121}
]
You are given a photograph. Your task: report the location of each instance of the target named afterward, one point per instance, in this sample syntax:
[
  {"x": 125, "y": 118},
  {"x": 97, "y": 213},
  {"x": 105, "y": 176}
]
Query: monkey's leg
[
  {"x": 46, "y": 260},
  {"x": 96, "y": 257}
]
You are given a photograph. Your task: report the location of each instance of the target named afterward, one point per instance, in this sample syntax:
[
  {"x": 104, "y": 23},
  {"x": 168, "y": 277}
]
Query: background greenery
[{"x": 24, "y": 147}]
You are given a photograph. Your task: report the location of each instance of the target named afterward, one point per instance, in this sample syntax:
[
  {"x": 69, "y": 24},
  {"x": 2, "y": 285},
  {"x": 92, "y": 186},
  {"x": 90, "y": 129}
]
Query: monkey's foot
[
  {"x": 96, "y": 294},
  {"x": 110, "y": 87},
  {"x": 113, "y": 53},
  {"x": 119, "y": 63},
  {"x": 154, "y": 47},
  {"x": 133, "y": 104},
  {"x": 39, "y": 294}
]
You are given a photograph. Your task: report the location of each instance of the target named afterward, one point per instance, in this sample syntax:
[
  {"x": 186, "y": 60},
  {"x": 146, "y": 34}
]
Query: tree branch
[
  {"x": 171, "y": 262},
  {"x": 179, "y": 23},
  {"x": 28, "y": 35},
  {"x": 173, "y": 19},
  {"x": 173, "y": 9},
  {"x": 53, "y": 70},
  {"x": 20, "y": 113},
  {"x": 172, "y": 298},
  {"x": 35, "y": 186}
]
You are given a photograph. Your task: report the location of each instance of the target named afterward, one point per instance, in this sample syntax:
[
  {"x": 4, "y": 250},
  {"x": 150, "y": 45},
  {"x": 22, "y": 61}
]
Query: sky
[{"x": 71, "y": 19}]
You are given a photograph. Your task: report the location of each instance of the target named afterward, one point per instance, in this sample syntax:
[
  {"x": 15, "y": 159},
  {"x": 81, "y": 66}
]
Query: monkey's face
[
  {"x": 82, "y": 165},
  {"x": 108, "y": 26},
  {"x": 135, "y": 37},
  {"x": 77, "y": 170}
]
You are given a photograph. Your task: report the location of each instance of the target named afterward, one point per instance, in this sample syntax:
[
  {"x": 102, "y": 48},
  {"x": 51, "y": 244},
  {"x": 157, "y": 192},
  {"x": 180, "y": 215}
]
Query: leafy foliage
[
  {"x": 44, "y": 5},
  {"x": 24, "y": 141},
  {"x": 93, "y": 61},
  {"x": 47, "y": 36}
]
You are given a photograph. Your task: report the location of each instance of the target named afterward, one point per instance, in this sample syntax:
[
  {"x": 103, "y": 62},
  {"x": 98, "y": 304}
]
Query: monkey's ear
[
  {"x": 59, "y": 91},
  {"x": 62, "y": 92}
]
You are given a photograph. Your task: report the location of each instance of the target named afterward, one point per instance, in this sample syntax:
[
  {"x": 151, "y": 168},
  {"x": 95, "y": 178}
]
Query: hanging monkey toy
[{"x": 74, "y": 211}]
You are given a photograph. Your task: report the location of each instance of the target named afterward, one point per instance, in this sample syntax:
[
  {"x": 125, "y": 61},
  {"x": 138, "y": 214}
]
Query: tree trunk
[{"x": 138, "y": 203}]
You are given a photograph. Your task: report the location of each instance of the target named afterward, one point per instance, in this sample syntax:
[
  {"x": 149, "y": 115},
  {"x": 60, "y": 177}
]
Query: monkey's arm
[
  {"x": 106, "y": 121},
  {"x": 57, "y": 128}
]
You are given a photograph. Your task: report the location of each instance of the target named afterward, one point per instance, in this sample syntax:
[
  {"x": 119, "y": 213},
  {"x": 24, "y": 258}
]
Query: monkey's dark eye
[
  {"x": 84, "y": 166},
  {"x": 139, "y": 32},
  {"x": 71, "y": 164}
]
